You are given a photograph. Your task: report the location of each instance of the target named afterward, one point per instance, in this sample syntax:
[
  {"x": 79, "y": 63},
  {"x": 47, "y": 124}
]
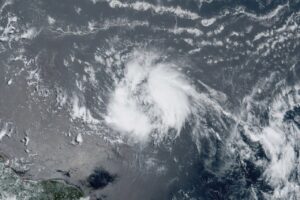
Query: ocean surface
[{"x": 152, "y": 99}]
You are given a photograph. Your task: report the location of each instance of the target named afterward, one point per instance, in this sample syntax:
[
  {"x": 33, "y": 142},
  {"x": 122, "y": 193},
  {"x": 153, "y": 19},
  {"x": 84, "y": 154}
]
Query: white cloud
[{"x": 151, "y": 97}]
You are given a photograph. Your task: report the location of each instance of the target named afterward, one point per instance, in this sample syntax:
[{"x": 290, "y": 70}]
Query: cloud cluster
[{"x": 153, "y": 96}]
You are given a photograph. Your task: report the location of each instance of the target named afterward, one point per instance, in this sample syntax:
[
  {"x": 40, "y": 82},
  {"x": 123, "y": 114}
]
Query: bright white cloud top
[{"x": 152, "y": 97}]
